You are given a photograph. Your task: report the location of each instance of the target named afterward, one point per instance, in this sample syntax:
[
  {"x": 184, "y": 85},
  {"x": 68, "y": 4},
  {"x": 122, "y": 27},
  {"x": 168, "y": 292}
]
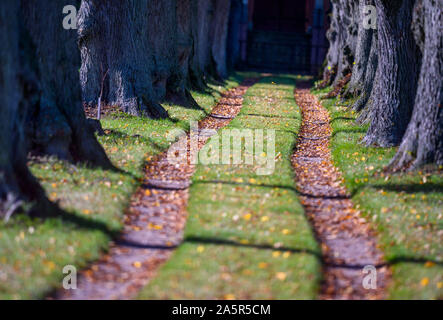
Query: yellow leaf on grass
[
  {"x": 264, "y": 218},
  {"x": 280, "y": 276},
  {"x": 229, "y": 296},
  {"x": 200, "y": 249},
  {"x": 262, "y": 265},
  {"x": 429, "y": 264},
  {"x": 286, "y": 231},
  {"x": 247, "y": 216},
  {"x": 424, "y": 282},
  {"x": 86, "y": 211}
]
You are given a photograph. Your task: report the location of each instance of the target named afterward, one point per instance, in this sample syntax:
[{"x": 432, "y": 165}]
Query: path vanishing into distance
[
  {"x": 228, "y": 231},
  {"x": 348, "y": 243}
]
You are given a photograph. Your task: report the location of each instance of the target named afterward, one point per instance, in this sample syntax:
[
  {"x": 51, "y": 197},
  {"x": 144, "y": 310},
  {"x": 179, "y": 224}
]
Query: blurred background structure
[{"x": 280, "y": 35}]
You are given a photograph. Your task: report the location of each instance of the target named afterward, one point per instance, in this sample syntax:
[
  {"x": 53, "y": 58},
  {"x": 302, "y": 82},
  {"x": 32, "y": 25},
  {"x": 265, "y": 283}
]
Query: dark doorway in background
[{"x": 277, "y": 39}]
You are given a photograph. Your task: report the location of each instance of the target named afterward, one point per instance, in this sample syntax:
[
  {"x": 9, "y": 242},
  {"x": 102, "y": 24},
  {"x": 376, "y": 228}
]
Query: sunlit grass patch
[
  {"x": 406, "y": 209},
  {"x": 33, "y": 252},
  {"x": 246, "y": 236}
]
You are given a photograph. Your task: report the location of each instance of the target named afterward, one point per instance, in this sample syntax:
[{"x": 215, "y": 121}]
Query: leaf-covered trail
[
  {"x": 348, "y": 243},
  {"x": 155, "y": 220}
]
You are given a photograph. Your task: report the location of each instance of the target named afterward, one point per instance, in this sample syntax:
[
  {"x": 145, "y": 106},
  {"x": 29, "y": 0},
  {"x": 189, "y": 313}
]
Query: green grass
[
  {"x": 405, "y": 209},
  {"x": 246, "y": 236},
  {"x": 33, "y": 252}
]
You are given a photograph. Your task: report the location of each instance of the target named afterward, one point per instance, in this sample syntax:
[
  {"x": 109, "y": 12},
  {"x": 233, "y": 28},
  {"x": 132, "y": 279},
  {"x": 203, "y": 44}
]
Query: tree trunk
[
  {"x": 362, "y": 53},
  {"x": 348, "y": 17},
  {"x": 423, "y": 140},
  {"x": 364, "y": 101},
  {"x": 57, "y": 122},
  {"x": 333, "y": 52},
  {"x": 114, "y": 42},
  {"x": 16, "y": 182},
  {"x": 178, "y": 88},
  {"x": 205, "y": 15},
  {"x": 396, "y": 76},
  {"x": 234, "y": 33},
  {"x": 219, "y": 36}
]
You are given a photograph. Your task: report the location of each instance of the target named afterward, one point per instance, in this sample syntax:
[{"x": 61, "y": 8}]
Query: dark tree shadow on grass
[
  {"x": 353, "y": 130},
  {"x": 342, "y": 118},
  {"x": 224, "y": 242},
  {"x": 411, "y": 188}
]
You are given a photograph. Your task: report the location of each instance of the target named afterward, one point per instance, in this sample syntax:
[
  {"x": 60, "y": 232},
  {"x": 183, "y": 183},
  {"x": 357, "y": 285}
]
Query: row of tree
[
  {"x": 134, "y": 54},
  {"x": 397, "y": 72}
]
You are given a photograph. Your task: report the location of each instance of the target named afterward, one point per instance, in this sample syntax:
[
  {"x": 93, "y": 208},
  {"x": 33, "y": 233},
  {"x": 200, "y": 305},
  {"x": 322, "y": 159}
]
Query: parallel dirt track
[
  {"x": 156, "y": 218},
  {"x": 347, "y": 241}
]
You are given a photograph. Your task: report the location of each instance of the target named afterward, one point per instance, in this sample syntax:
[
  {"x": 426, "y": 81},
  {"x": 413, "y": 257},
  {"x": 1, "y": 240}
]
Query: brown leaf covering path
[
  {"x": 156, "y": 218},
  {"x": 347, "y": 241}
]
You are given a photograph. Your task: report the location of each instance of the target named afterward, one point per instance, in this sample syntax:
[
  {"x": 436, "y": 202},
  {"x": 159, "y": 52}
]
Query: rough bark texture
[
  {"x": 396, "y": 79},
  {"x": 348, "y": 17},
  {"x": 367, "y": 85},
  {"x": 423, "y": 140},
  {"x": 342, "y": 36},
  {"x": 362, "y": 53},
  {"x": 114, "y": 42},
  {"x": 332, "y": 56},
  {"x": 16, "y": 182},
  {"x": 56, "y": 122}
]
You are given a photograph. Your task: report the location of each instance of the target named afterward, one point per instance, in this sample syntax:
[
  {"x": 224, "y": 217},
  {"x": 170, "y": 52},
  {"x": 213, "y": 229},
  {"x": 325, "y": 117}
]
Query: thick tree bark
[
  {"x": 115, "y": 46},
  {"x": 181, "y": 80},
  {"x": 56, "y": 122},
  {"x": 423, "y": 140},
  {"x": 332, "y": 56},
  {"x": 365, "y": 101},
  {"x": 362, "y": 53},
  {"x": 396, "y": 79},
  {"x": 348, "y": 17},
  {"x": 342, "y": 36},
  {"x": 16, "y": 182}
]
